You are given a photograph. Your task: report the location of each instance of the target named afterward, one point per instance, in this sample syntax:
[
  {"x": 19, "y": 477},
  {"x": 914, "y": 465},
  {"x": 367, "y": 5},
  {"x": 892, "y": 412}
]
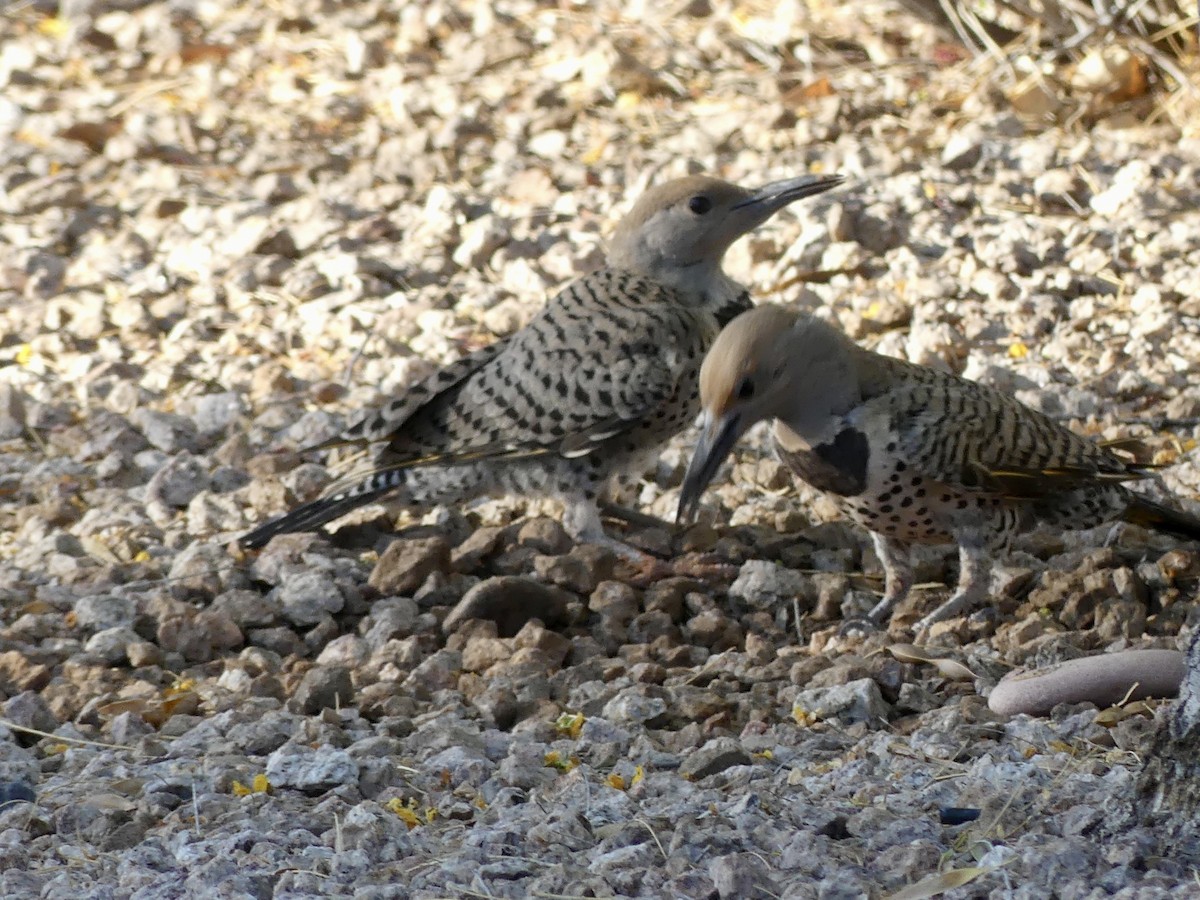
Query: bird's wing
[
  {"x": 541, "y": 401},
  {"x": 379, "y": 424},
  {"x": 611, "y": 354},
  {"x": 973, "y": 437}
]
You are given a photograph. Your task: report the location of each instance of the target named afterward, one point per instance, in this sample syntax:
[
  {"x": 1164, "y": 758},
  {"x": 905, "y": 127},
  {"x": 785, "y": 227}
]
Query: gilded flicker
[
  {"x": 589, "y": 389},
  {"x": 913, "y": 454}
]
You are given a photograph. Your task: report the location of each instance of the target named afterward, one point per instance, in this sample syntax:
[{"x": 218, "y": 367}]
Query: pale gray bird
[
  {"x": 911, "y": 453},
  {"x": 590, "y": 388}
]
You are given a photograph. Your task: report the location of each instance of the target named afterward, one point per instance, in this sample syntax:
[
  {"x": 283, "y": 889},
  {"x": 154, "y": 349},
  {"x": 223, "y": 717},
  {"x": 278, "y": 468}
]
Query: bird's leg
[
  {"x": 897, "y": 580},
  {"x": 581, "y": 519},
  {"x": 897, "y": 576},
  {"x": 1113, "y": 537},
  {"x": 632, "y": 516},
  {"x": 974, "y": 578}
]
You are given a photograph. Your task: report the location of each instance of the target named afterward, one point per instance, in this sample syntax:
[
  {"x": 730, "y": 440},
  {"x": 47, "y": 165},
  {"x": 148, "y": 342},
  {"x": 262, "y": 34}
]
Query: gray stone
[
  {"x": 407, "y": 562},
  {"x": 715, "y": 756},
  {"x": 634, "y": 706},
  {"x": 765, "y": 585},
  {"x": 214, "y": 413},
  {"x": 111, "y": 643},
  {"x": 308, "y": 597},
  {"x": 167, "y": 432},
  {"x": 99, "y": 611},
  {"x": 28, "y": 710},
  {"x": 740, "y": 875},
  {"x": 312, "y": 770},
  {"x": 12, "y": 412},
  {"x": 856, "y": 701},
  {"x": 176, "y": 483},
  {"x": 323, "y": 687},
  {"x": 391, "y": 619}
]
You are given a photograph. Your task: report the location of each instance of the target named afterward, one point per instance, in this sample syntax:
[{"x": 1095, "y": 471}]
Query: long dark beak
[
  {"x": 778, "y": 194},
  {"x": 717, "y": 438}
]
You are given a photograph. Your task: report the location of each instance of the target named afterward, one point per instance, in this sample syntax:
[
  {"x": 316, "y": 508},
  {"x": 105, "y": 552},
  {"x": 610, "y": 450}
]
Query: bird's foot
[
  {"x": 875, "y": 621},
  {"x": 859, "y": 626},
  {"x": 633, "y": 516},
  {"x": 959, "y": 603},
  {"x": 643, "y": 568}
]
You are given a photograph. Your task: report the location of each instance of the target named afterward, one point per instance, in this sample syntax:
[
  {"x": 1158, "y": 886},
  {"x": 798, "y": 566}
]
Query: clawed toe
[{"x": 859, "y": 626}]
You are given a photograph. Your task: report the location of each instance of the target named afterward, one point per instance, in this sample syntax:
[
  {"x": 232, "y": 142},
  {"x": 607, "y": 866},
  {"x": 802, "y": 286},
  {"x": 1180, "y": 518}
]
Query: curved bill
[
  {"x": 717, "y": 438},
  {"x": 778, "y": 194}
]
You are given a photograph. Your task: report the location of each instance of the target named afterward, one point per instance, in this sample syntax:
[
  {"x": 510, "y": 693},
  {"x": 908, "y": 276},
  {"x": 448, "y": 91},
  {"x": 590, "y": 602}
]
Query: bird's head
[
  {"x": 768, "y": 363},
  {"x": 679, "y": 231}
]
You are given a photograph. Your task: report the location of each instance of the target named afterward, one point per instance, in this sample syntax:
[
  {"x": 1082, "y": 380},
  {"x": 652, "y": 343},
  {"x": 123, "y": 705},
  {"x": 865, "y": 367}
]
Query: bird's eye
[
  {"x": 699, "y": 204},
  {"x": 745, "y": 389}
]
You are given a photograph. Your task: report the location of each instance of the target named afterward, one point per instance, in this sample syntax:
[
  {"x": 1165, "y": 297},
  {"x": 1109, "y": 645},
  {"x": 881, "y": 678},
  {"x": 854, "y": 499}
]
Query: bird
[
  {"x": 911, "y": 453},
  {"x": 587, "y": 390}
]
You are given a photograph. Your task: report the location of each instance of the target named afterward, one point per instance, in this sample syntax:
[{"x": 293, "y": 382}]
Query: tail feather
[
  {"x": 1149, "y": 514},
  {"x": 312, "y": 515}
]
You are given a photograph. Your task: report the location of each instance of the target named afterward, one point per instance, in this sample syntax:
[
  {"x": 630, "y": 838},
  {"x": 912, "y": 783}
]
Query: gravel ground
[{"x": 224, "y": 228}]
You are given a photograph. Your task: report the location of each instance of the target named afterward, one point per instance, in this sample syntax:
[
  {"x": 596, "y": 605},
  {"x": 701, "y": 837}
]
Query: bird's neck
[
  {"x": 822, "y": 388},
  {"x": 707, "y": 287}
]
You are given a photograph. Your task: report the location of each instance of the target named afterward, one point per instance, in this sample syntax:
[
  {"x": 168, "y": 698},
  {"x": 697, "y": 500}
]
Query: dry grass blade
[
  {"x": 947, "y": 668},
  {"x": 933, "y": 885},
  {"x": 1154, "y": 38}
]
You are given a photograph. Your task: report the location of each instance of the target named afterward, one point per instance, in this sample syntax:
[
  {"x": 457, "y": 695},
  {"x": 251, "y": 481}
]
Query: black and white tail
[
  {"x": 1144, "y": 511},
  {"x": 311, "y": 516}
]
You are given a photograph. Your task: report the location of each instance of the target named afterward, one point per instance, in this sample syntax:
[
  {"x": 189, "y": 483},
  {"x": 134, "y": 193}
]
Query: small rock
[
  {"x": 483, "y": 650},
  {"x": 214, "y": 413},
  {"x": 248, "y": 609},
  {"x": 175, "y": 484},
  {"x": 100, "y": 611},
  {"x": 713, "y": 629},
  {"x": 470, "y": 554},
  {"x": 765, "y": 585},
  {"x": 740, "y": 875},
  {"x": 344, "y": 650},
  {"x": 545, "y": 536},
  {"x": 396, "y": 617},
  {"x": 166, "y": 431},
  {"x": 667, "y": 595},
  {"x": 715, "y": 756},
  {"x": 574, "y": 571},
  {"x": 308, "y": 597},
  {"x": 614, "y": 600},
  {"x": 127, "y": 727},
  {"x": 479, "y": 239},
  {"x": 15, "y": 792},
  {"x": 312, "y": 770},
  {"x": 964, "y": 148},
  {"x": 111, "y": 644},
  {"x": 201, "y": 571},
  {"x": 323, "y": 687},
  {"x": 29, "y": 710},
  {"x": 144, "y": 653},
  {"x": 407, "y": 562},
  {"x": 12, "y": 412},
  {"x": 856, "y": 701},
  {"x": 437, "y": 672},
  {"x": 551, "y": 646},
  {"x": 19, "y": 673},
  {"x": 635, "y": 706},
  {"x": 199, "y": 637}
]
